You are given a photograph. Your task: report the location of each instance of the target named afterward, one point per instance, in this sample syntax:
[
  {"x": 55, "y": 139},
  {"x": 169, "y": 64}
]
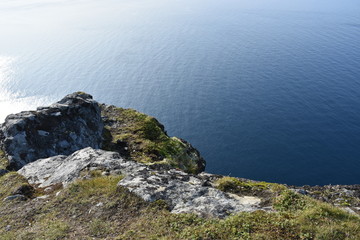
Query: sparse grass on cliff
[
  {"x": 266, "y": 191},
  {"x": 235, "y": 185},
  {"x": 86, "y": 209},
  {"x": 98, "y": 209},
  {"x": 10, "y": 183},
  {"x": 144, "y": 139},
  {"x": 3, "y": 160}
]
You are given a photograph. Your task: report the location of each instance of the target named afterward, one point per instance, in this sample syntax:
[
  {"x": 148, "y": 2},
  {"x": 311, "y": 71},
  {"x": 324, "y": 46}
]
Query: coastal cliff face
[
  {"x": 143, "y": 139},
  {"x": 77, "y": 122},
  {"x": 83, "y": 170}
]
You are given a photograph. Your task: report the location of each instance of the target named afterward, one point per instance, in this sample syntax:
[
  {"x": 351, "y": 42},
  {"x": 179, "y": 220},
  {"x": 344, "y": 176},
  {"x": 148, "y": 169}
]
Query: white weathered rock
[
  {"x": 65, "y": 169},
  {"x": 185, "y": 193}
]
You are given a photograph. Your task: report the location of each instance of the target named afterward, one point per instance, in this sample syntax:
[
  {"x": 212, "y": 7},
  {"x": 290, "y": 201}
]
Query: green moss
[
  {"x": 235, "y": 185},
  {"x": 99, "y": 228},
  {"x": 255, "y": 225},
  {"x": 289, "y": 201},
  {"x": 151, "y": 130},
  {"x": 97, "y": 186},
  {"x": 71, "y": 214},
  {"x": 53, "y": 228},
  {"x": 98, "y": 208},
  {"x": 145, "y": 140},
  {"x": 4, "y": 162},
  {"x": 11, "y": 182}
]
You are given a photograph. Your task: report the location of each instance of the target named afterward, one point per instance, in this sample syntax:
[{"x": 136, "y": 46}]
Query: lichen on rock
[
  {"x": 183, "y": 192},
  {"x": 59, "y": 129}
]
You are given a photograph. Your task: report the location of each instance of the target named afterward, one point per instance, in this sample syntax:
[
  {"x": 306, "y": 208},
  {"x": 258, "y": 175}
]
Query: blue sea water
[{"x": 265, "y": 89}]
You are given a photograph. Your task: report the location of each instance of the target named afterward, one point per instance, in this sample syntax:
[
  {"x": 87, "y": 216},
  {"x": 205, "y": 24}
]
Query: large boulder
[
  {"x": 183, "y": 192},
  {"x": 66, "y": 169},
  {"x": 187, "y": 193},
  {"x": 59, "y": 129}
]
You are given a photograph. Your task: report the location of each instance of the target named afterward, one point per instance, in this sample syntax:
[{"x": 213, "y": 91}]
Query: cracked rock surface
[
  {"x": 184, "y": 193},
  {"x": 62, "y": 128}
]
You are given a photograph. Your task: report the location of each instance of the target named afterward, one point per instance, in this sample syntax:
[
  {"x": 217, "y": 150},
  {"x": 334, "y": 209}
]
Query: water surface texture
[{"x": 265, "y": 89}]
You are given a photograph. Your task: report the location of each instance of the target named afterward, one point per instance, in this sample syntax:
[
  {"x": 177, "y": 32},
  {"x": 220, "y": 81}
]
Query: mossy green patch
[
  {"x": 49, "y": 227},
  {"x": 83, "y": 210},
  {"x": 98, "y": 209},
  {"x": 99, "y": 228},
  {"x": 254, "y": 225},
  {"x": 11, "y": 182},
  {"x": 236, "y": 185},
  {"x": 144, "y": 139},
  {"x": 318, "y": 220},
  {"x": 4, "y": 162},
  {"x": 290, "y": 201}
]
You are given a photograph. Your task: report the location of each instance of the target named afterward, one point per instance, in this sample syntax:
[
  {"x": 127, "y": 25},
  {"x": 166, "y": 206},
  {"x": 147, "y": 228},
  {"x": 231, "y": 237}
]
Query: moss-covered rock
[{"x": 143, "y": 139}]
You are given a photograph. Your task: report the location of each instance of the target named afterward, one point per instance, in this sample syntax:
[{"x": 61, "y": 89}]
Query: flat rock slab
[
  {"x": 187, "y": 193},
  {"x": 65, "y": 169},
  {"x": 184, "y": 193}
]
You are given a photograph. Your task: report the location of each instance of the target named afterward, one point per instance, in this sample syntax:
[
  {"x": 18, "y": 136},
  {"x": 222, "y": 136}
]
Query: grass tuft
[
  {"x": 98, "y": 209},
  {"x": 4, "y": 162}
]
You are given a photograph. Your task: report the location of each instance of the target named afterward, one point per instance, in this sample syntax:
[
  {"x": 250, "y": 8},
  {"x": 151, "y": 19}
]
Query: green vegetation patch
[
  {"x": 256, "y": 225},
  {"x": 4, "y": 162},
  {"x": 318, "y": 220},
  {"x": 10, "y": 183},
  {"x": 86, "y": 209},
  {"x": 144, "y": 139},
  {"x": 239, "y": 186},
  {"x": 99, "y": 209},
  {"x": 331, "y": 223}
]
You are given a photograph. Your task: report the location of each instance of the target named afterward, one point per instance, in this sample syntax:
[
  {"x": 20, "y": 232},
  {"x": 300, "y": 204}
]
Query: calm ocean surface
[{"x": 265, "y": 89}]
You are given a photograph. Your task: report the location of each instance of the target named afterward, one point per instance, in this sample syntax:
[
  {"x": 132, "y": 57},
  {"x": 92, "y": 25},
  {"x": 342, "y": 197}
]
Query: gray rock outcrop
[
  {"x": 65, "y": 169},
  {"x": 58, "y": 144},
  {"x": 60, "y": 129},
  {"x": 186, "y": 193},
  {"x": 183, "y": 192}
]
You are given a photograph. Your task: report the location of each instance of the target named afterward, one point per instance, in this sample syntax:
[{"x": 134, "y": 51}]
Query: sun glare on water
[{"x": 12, "y": 101}]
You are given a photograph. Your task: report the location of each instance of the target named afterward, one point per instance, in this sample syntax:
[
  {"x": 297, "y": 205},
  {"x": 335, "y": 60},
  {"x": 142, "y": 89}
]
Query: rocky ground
[
  {"x": 64, "y": 166},
  {"x": 344, "y": 196}
]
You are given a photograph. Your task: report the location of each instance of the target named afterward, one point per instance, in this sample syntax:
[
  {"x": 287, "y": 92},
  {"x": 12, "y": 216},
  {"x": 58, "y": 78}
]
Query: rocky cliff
[
  {"x": 60, "y": 129},
  {"x": 64, "y": 166}
]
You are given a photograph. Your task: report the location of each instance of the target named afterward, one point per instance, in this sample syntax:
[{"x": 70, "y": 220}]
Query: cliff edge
[{"x": 78, "y": 169}]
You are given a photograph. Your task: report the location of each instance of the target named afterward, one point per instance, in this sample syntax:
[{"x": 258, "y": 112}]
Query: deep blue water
[{"x": 265, "y": 89}]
